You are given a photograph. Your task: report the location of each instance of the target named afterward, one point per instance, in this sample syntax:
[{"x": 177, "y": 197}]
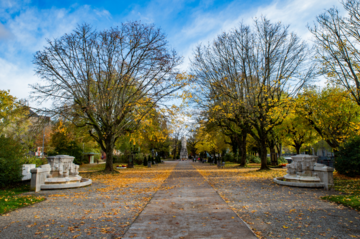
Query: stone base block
[
  {"x": 280, "y": 180},
  {"x": 84, "y": 182}
]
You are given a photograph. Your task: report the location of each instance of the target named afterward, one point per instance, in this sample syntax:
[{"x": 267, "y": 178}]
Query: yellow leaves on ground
[
  {"x": 125, "y": 179},
  {"x": 244, "y": 173},
  {"x": 292, "y": 210}
]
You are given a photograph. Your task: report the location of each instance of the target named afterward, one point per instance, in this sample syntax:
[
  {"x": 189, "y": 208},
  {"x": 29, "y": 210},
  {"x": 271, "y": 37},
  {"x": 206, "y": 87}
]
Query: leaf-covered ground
[
  {"x": 275, "y": 211},
  {"x": 187, "y": 207},
  {"x": 10, "y": 199},
  {"x": 103, "y": 210},
  {"x": 349, "y": 189}
]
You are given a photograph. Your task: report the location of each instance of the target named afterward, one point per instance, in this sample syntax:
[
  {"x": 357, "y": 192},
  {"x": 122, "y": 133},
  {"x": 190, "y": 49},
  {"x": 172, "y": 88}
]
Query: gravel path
[
  {"x": 275, "y": 211},
  {"x": 104, "y": 210},
  {"x": 188, "y": 207}
]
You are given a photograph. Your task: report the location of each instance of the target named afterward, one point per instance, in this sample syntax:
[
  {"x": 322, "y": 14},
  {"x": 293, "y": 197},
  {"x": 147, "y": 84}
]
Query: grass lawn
[
  {"x": 350, "y": 190},
  {"x": 11, "y": 198},
  {"x": 89, "y": 168},
  {"x": 249, "y": 165}
]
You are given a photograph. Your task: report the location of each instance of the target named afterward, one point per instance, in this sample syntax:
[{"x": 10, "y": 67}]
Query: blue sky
[{"x": 25, "y": 25}]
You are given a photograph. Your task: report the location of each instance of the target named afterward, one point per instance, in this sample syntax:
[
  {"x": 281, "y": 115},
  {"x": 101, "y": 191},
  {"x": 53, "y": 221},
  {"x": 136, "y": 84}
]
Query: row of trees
[
  {"x": 254, "y": 82},
  {"x": 114, "y": 84},
  {"x": 21, "y": 126}
]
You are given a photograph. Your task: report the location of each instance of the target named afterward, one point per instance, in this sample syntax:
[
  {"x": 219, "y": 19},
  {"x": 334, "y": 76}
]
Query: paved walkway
[
  {"x": 104, "y": 210},
  {"x": 275, "y": 211},
  {"x": 187, "y": 207}
]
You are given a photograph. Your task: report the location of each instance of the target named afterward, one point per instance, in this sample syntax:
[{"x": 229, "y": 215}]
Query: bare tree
[
  {"x": 248, "y": 75},
  {"x": 338, "y": 40},
  {"x": 107, "y": 80}
]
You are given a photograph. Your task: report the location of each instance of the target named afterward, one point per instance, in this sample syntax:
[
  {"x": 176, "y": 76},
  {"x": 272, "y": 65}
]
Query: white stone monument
[
  {"x": 183, "y": 152},
  {"x": 59, "y": 173},
  {"x": 303, "y": 171}
]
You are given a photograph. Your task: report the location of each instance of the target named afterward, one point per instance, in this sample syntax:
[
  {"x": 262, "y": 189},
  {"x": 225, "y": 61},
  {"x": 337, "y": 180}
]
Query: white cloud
[
  {"x": 21, "y": 36},
  {"x": 103, "y": 13},
  {"x": 16, "y": 79},
  {"x": 29, "y": 30},
  {"x": 296, "y": 13}
]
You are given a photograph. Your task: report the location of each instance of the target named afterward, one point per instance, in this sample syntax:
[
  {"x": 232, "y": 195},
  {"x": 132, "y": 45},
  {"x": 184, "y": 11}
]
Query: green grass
[
  {"x": 11, "y": 199},
  {"x": 352, "y": 201},
  {"x": 349, "y": 189},
  {"x": 97, "y": 168},
  {"x": 249, "y": 165}
]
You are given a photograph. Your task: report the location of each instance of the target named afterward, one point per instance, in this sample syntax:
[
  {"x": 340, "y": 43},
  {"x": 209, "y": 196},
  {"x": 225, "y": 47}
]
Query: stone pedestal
[
  {"x": 38, "y": 177},
  {"x": 325, "y": 174},
  {"x": 26, "y": 171}
]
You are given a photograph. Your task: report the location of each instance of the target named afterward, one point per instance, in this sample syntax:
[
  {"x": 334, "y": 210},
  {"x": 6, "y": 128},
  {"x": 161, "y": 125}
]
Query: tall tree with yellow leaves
[
  {"x": 331, "y": 112},
  {"x": 254, "y": 73},
  {"x": 108, "y": 80}
]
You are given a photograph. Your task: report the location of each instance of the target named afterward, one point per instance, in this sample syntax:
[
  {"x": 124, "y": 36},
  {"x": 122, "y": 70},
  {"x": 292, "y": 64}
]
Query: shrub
[
  {"x": 116, "y": 159},
  {"x": 252, "y": 159},
  {"x": 268, "y": 161},
  {"x": 230, "y": 157},
  {"x": 97, "y": 157},
  {"x": 138, "y": 158},
  {"x": 34, "y": 160},
  {"x": 347, "y": 160},
  {"x": 11, "y": 160},
  {"x": 138, "y": 161},
  {"x": 282, "y": 160},
  {"x": 121, "y": 159},
  {"x": 71, "y": 149},
  {"x": 10, "y": 171}
]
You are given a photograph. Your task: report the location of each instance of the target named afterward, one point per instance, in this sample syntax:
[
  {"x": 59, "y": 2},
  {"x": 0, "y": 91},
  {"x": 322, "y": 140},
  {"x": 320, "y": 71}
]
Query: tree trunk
[
  {"x": 297, "y": 147},
  {"x": 234, "y": 144},
  {"x": 109, "y": 154},
  {"x": 243, "y": 150},
  {"x": 272, "y": 150},
  {"x": 273, "y": 154},
  {"x": 279, "y": 149},
  {"x": 263, "y": 154}
]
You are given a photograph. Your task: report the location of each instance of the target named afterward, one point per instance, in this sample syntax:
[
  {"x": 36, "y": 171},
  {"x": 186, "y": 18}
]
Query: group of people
[{"x": 199, "y": 159}]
